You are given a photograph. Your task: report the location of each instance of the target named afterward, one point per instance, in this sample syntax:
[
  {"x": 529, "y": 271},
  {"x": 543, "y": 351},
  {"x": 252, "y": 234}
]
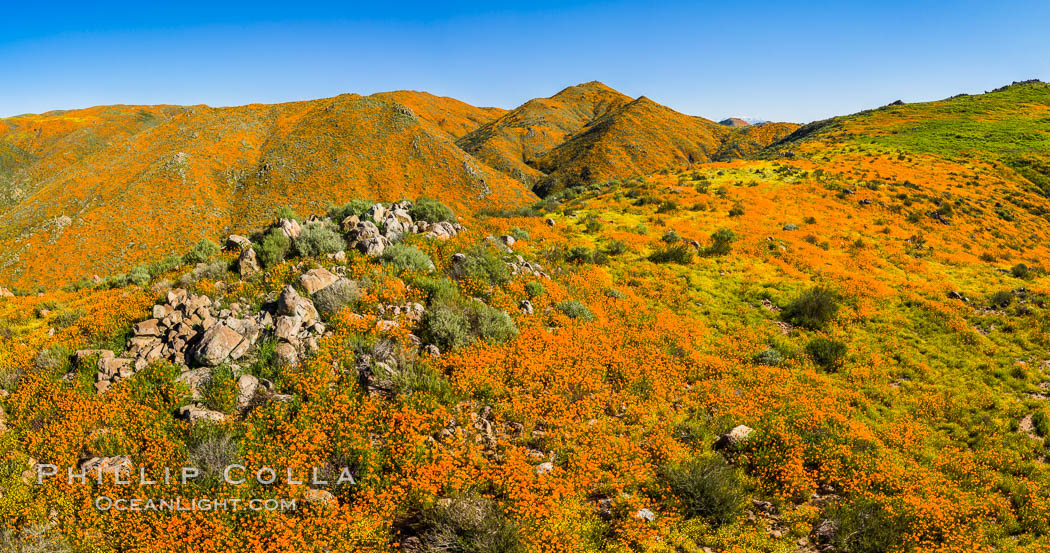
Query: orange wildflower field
[{"x": 776, "y": 338}]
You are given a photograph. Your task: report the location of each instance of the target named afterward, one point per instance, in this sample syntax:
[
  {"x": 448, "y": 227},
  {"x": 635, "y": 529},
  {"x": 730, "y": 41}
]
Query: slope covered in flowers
[
  {"x": 876, "y": 314},
  {"x": 105, "y": 188}
]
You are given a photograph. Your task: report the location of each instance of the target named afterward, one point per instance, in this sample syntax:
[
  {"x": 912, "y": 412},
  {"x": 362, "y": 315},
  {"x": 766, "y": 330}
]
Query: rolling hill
[
  {"x": 95, "y": 187},
  {"x": 838, "y": 344}
]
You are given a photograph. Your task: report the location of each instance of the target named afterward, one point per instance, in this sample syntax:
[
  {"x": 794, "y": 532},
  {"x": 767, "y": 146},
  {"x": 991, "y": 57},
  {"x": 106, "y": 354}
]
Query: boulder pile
[{"x": 193, "y": 330}]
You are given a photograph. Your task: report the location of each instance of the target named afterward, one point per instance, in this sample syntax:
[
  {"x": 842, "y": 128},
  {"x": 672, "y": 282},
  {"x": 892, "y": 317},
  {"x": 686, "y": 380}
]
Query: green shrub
[
  {"x": 1020, "y": 271},
  {"x": 813, "y": 309},
  {"x": 214, "y": 453},
  {"x": 265, "y": 363},
  {"x": 707, "y": 488},
  {"x": 353, "y": 207},
  {"x": 273, "y": 248},
  {"x": 220, "y": 392},
  {"x": 467, "y": 524},
  {"x": 721, "y": 242},
  {"x": 66, "y": 318},
  {"x": 445, "y": 327},
  {"x": 482, "y": 264},
  {"x": 592, "y": 224},
  {"x": 319, "y": 238},
  {"x": 519, "y": 233},
  {"x": 139, "y": 276},
  {"x": 667, "y": 206},
  {"x": 769, "y": 356},
  {"x": 334, "y": 297},
  {"x": 865, "y": 526},
  {"x": 671, "y": 237},
  {"x": 202, "y": 252},
  {"x": 737, "y": 210},
  {"x": 615, "y": 247},
  {"x": 585, "y": 255},
  {"x": 52, "y": 360},
  {"x": 452, "y": 325},
  {"x": 575, "y": 309},
  {"x": 535, "y": 289},
  {"x": 402, "y": 257},
  {"x": 681, "y": 254},
  {"x": 421, "y": 378},
  {"x": 437, "y": 289},
  {"x": 1002, "y": 299},
  {"x": 826, "y": 353},
  {"x": 431, "y": 211},
  {"x": 1041, "y": 423},
  {"x": 286, "y": 212}
]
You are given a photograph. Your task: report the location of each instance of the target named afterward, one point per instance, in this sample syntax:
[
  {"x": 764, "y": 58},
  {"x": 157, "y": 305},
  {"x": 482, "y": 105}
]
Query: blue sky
[{"x": 785, "y": 61}]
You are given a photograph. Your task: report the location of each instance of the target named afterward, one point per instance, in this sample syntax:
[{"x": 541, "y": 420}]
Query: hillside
[
  {"x": 734, "y": 122},
  {"x": 514, "y": 142},
  {"x": 455, "y": 118},
  {"x": 748, "y": 141},
  {"x": 105, "y": 188},
  {"x": 842, "y": 345},
  {"x": 93, "y": 186},
  {"x": 636, "y": 139}
]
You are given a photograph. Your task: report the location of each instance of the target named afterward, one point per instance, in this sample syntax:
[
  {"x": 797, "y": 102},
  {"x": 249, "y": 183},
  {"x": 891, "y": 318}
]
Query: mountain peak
[
  {"x": 588, "y": 89},
  {"x": 734, "y": 122}
]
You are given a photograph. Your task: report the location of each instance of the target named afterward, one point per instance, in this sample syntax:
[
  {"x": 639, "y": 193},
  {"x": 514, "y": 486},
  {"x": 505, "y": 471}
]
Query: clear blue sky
[{"x": 779, "y": 60}]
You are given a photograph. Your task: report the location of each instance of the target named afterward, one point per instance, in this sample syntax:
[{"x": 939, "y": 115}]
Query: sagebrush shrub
[
  {"x": 813, "y": 309},
  {"x": 575, "y": 309},
  {"x": 769, "y": 356},
  {"x": 453, "y": 325},
  {"x": 707, "y": 488},
  {"x": 865, "y": 526},
  {"x": 681, "y": 254},
  {"x": 334, "y": 297},
  {"x": 431, "y": 211},
  {"x": 826, "y": 353},
  {"x": 465, "y": 524},
  {"x": 402, "y": 257},
  {"x": 273, "y": 248},
  {"x": 482, "y": 264},
  {"x": 201, "y": 252},
  {"x": 721, "y": 242},
  {"x": 318, "y": 238},
  {"x": 437, "y": 289}
]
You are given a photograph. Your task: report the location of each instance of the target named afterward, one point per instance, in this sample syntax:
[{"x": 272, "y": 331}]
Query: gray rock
[
  {"x": 248, "y": 263},
  {"x": 372, "y": 247},
  {"x": 149, "y": 327},
  {"x": 288, "y": 327},
  {"x": 316, "y": 280},
  {"x": 286, "y": 354},
  {"x": 236, "y": 243},
  {"x": 247, "y": 385},
  {"x": 734, "y": 438},
  {"x": 196, "y": 414},
  {"x": 219, "y": 343},
  {"x": 291, "y": 304},
  {"x": 108, "y": 467},
  {"x": 290, "y": 227},
  {"x": 645, "y": 514}
]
